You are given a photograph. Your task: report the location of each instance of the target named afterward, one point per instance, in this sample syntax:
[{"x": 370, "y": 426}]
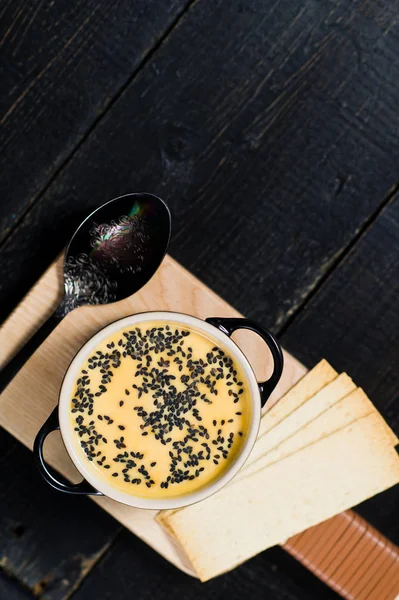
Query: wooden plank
[
  {"x": 48, "y": 541},
  {"x": 269, "y": 127},
  {"x": 130, "y": 569},
  {"x": 22, "y": 412},
  {"x": 11, "y": 590},
  {"x": 355, "y": 315},
  {"x": 62, "y": 65}
]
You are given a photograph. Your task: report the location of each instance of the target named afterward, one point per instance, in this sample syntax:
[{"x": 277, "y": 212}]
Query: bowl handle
[
  {"x": 229, "y": 325},
  {"x": 49, "y": 474}
]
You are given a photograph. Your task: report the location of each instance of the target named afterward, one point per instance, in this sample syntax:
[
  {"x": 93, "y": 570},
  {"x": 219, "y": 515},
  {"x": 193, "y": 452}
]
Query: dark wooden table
[{"x": 271, "y": 127}]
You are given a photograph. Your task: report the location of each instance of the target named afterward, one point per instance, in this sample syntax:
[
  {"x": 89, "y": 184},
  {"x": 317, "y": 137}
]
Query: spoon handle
[{"x": 18, "y": 361}]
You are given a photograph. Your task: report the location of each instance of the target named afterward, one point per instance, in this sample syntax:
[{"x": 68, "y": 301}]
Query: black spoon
[{"x": 111, "y": 255}]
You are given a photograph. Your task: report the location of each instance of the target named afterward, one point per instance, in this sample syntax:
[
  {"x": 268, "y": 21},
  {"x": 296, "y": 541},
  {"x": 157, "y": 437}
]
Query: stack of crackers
[{"x": 321, "y": 449}]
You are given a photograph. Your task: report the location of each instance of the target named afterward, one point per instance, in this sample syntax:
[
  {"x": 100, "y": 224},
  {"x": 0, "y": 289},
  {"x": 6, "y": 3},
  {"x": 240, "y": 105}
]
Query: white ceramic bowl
[{"x": 217, "y": 328}]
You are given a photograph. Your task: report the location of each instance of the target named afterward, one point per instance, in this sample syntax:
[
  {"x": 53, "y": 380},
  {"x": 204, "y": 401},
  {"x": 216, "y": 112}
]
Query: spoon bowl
[{"x": 116, "y": 250}]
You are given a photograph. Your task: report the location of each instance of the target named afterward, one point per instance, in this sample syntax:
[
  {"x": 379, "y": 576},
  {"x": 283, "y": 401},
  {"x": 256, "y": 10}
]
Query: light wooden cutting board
[{"x": 29, "y": 399}]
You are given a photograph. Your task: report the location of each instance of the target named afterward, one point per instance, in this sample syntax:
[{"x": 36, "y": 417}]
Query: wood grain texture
[
  {"x": 62, "y": 64},
  {"x": 249, "y": 119},
  {"x": 47, "y": 541},
  {"x": 130, "y": 569},
  {"x": 347, "y": 553},
  {"x": 354, "y": 322},
  {"x": 10, "y": 589}
]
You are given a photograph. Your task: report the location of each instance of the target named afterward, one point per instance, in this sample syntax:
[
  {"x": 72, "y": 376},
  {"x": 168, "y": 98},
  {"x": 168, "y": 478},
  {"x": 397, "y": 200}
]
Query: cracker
[
  {"x": 305, "y": 413},
  {"x": 285, "y": 498},
  {"x": 345, "y": 411},
  {"x": 321, "y": 375}
]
